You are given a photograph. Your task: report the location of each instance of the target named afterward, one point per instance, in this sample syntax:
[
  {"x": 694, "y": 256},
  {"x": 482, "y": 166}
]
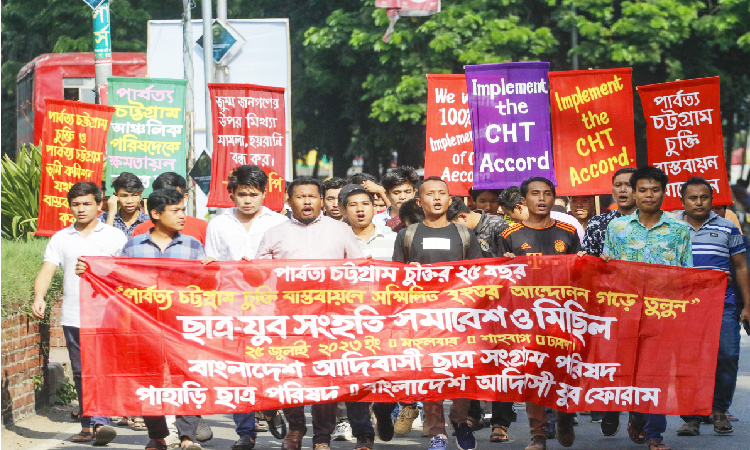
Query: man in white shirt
[
  {"x": 86, "y": 237},
  {"x": 512, "y": 205},
  {"x": 359, "y": 208},
  {"x": 236, "y": 235}
]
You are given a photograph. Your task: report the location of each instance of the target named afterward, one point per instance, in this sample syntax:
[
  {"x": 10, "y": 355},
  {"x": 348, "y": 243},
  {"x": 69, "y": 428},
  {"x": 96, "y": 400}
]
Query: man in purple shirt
[{"x": 311, "y": 235}]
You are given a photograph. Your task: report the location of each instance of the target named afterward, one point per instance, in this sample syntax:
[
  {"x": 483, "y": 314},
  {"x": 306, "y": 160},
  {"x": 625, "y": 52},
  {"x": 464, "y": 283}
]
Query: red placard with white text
[
  {"x": 592, "y": 128},
  {"x": 449, "y": 152},
  {"x": 249, "y": 127},
  {"x": 683, "y": 126}
]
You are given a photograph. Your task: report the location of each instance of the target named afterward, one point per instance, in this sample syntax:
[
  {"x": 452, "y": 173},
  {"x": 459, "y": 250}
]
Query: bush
[
  {"x": 20, "y": 193},
  {"x": 21, "y": 260}
]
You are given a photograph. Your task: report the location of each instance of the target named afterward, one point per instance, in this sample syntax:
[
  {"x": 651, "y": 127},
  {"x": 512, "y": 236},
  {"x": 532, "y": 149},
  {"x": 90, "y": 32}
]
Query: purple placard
[{"x": 510, "y": 119}]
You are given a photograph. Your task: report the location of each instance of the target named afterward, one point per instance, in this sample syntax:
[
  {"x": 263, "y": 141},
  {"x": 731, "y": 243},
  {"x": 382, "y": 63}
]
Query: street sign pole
[
  {"x": 102, "y": 51},
  {"x": 222, "y": 70}
]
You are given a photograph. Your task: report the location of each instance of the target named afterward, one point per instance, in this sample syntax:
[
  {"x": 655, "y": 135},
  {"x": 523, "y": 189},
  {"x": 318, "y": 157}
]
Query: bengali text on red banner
[{"x": 562, "y": 331}]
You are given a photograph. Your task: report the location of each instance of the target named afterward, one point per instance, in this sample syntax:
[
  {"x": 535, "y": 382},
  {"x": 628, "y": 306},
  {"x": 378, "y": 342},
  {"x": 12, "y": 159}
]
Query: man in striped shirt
[{"x": 717, "y": 245}]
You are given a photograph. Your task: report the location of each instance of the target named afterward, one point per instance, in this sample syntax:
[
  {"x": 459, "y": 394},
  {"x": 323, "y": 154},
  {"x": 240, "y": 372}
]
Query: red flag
[
  {"x": 74, "y": 141},
  {"x": 449, "y": 152},
  {"x": 177, "y": 337},
  {"x": 592, "y": 128},
  {"x": 249, "y": 127},
  {"x": 683, "y": 126}
]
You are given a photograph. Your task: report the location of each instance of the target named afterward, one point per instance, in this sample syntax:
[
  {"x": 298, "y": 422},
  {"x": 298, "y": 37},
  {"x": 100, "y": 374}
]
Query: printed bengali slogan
[
  {"x": 561, "y": 331},
  {"x": 249, "y": 127},
  {"x": 73, "y": 141},
  {"x": 683, "y": 127}
]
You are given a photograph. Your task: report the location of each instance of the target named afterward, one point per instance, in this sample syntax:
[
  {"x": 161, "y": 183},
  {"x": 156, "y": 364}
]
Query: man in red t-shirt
[{"x": 193, "y": 227}]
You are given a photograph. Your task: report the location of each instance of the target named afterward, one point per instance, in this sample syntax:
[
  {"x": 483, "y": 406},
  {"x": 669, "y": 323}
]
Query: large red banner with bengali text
[
  {"x": 176, "y": 337},
  {"x": 592, "y": 128},
  {"x": 74, "y": 140},
  {"x": 249, "y": 127},
  {"x": 449, "y": 152},
  {"x": 683, "y": 127}
]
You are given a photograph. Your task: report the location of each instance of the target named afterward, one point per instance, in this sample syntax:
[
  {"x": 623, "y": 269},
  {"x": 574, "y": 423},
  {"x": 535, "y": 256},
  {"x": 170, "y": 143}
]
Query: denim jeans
[
  {"x": 73, "y": 342},
  {"x": 245, "y": 423},
  {"x": 727, "y": 361},
  {"x": 656, "y": 424},
  {"x": 359, "y": 418}
]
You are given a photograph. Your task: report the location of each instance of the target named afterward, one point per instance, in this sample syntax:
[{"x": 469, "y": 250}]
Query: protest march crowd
[{"x": 403, "y": 219}]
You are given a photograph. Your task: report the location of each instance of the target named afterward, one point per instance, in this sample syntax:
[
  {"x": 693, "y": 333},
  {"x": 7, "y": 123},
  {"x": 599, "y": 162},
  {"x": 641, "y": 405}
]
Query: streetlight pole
[
  {"x": 102, "y": 51},
  {"x": 222, "y": 71},
  {"x": 208, "y": 68}
]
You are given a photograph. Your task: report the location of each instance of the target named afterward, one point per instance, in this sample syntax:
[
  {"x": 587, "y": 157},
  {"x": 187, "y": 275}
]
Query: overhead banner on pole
[
  {"x": 74, "y": 136},
  {"x": 592, "y": 128},
  {"x": 562, "y": 331},
  {"x": 510, "y": 117},
  {"x": 449, "y": 153},
  {"x": 683, "y": 127},
  {"x": 147, "y": 136},
  {"x": 249, "y": 127}
]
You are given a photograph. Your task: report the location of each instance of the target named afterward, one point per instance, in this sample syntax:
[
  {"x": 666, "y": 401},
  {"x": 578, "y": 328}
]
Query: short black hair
[
  {"x": 171, "y": 180},
  {"x": 332, "y": 183},
  {"x": 622, "y": 171},
  {"x": 649, "y": 173},
  {"x": 475, "y": 193},
  {"x": 161, "y": 198},
  {"x": 525, "y": 185},
  {"x": 247, "y": 175},
  {"x": 510, "y": 198},
  {"x": 302, "y": 181},
  {"x": 84, "y": 188},
  {"x": 398, "y": 176},
  {"x": 456, "y": 207},
  {"x": 695, "y": 181},
  {"x": 564, "y": 198},
  {"x": 432, "y": 178},
  {"x": 128, "y": 182},
  {"x": 359, "y": 178},
  {"x": 411, "y": 213},
  {"x": 344, "y": 199}
]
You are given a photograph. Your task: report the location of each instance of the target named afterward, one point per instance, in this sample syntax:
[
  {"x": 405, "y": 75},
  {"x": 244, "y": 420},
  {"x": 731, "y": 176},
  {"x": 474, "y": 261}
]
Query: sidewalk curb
[{"x": 58, "y": 438}]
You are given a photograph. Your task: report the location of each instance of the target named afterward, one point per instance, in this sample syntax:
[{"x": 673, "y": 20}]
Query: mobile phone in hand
[{"x": 746, "y": 326}]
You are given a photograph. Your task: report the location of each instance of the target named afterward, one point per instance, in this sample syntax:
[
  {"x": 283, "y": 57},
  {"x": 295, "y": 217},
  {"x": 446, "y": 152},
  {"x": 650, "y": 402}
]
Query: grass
[{"x": 21, "y": 261}]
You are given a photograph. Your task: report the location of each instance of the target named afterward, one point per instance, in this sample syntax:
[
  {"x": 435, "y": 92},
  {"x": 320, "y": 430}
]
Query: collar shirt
[
  {"x": 63, "y": 250},
  {"x": 489, "y": 232},
  {"x": 379, "y": 246},
  {"x": 323, "y": 238},
  {"x": 227, "y": 239},
  {"x": 714, "y": 244},
  {"x": 666, "y": 243},
  {"x": 596, "y": 231},
  {"x": 381, "y": 218},
  {"x": 120, "y": 225},
  {"x": 181, "y": 247}
]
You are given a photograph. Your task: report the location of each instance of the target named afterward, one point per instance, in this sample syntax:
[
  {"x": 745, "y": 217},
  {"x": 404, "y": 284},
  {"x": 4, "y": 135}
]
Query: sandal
[
  {"x": 138, "y": 423},
  {"x": 191, "y": 446},
  {"x": 653, "y": 444},
  {"x": 153, "y": 445},
  {"x": 123, "y": 422},
  {"x": 75, "y": 415},
  {"x": 721, "y": 424},
  {"x": 635, "y": 429},
  {"x": 689, "y": 429},
  {"x": 499, "y": 434},
  {"x": 83, "y": 436}
]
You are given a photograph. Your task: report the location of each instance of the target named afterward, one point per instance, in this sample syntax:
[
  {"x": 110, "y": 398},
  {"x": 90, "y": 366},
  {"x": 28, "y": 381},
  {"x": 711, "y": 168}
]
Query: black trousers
[{"x": 157, "y": 426}]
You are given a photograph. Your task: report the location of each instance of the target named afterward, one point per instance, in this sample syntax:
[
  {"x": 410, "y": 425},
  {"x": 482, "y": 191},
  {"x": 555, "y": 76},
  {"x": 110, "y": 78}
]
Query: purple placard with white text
[{"x": 510, "y": 118}]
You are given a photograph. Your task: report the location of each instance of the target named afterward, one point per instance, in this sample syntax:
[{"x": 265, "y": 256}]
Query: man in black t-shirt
[
  {"x": 540, "y": 234},
  {"x": 436, "y": 240}
]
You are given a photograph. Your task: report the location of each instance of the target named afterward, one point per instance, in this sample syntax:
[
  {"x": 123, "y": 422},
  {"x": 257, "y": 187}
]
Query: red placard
[
  {"x": 249, "y": 127},
  {"x": 74, "y": 140},
  {"x": 683, "y": 126},
  {"x": 592, "y": 128},
  {"x": 562, "y": 331},
  {"x": 449, "y": 152}
]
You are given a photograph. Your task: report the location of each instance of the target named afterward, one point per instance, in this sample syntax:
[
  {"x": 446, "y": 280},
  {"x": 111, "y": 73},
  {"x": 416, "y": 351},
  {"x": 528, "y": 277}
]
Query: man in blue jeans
[
  {"x": 661, "y": 240},
  {"x": 717, "y": 245}
]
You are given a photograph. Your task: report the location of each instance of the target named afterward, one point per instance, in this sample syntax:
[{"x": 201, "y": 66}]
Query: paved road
[{"x": 35, "y": 434}]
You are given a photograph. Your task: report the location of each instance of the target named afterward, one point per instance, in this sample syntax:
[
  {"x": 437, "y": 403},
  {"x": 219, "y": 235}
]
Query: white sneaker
[
  {"x": 173, "y": 441},
  {"x": 343, "y": 431}
]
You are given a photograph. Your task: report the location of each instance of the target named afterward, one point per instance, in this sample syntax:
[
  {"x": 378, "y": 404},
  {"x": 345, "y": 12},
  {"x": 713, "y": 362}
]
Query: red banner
[
  {"x": 449, "y": 153},
  {"x": 683, "y": 126},
  {"x": 74, "y": 140},
  {"x": 249, "y": 127},
  {"x": 592, "y": 128},
  {"x": 567, "y": 332}
]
